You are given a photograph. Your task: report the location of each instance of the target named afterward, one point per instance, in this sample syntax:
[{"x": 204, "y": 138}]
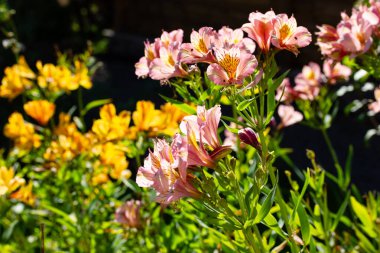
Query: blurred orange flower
[
  {"x": 24, "y": 194},
  {"x": 40, "y": 110}
]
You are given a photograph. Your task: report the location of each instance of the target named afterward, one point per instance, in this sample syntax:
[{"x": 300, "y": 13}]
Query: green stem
[
  {"x": 80, "y": 106},
  {"x": 334, "y": 156}
]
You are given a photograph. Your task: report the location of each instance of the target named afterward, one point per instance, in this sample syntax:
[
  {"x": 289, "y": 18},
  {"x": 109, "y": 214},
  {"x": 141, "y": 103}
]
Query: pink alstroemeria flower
[
  {"x": 375, "y": 106},
  {"x": 232, "y": 66},
  {"x": 165, "y": 169},
  {"x": 151, "y": 52},
  {"x": 129, "y": 214},
  {"x": 287, "y": 35},
  {"x": 288, "y": 116},
  {"x": 168, "y": 38},
  {"x": 168, "y": 65},
  {"x": 200, "y": 48},
  {"x": 335, "y": 71},
  {"x": 328, "y": 42},
  {"x": 228, "y": 38},
  {"x": 285, "y": 92},
  {"x": 260, "y": 28},
  {"x": 204, "y": 147},
  {"x": 354, "y": 34},
  {"x": 308, "y": 82}
]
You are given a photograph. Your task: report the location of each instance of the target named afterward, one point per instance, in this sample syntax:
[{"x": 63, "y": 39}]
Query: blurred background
[{"x": 116, "y": 30}]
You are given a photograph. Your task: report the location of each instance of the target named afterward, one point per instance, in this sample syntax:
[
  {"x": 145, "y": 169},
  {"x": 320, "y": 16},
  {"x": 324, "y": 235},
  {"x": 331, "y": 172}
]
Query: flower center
[
  {"x": 229, "y": 63},
  {"x": 201, "y": 46},
  {"x": 284, "y": 31}
]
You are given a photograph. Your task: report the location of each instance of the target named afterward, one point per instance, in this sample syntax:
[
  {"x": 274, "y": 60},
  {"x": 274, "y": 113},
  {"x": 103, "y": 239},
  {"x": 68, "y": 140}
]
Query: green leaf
[
  {"x": 340, "y": 212},
  {"x": 299, "y": 199},
  {"x": 267, "y": 204},
  {"x": 131, "y": 185},
  {"x": 362, "y": 213},
  {"x": 305, "y": 224},
  {"x": 245, "y": 103},
  {"x": 95, "y": 103},
  {"x": 232, "y": 130},
  {"x": 181, "y": 105},
  {"x": 9, "y": 231},
  {"x": 365, "y": 243}
]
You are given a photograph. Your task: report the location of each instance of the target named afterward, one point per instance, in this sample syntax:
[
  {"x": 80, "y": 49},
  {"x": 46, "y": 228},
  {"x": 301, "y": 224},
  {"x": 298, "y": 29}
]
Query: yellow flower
[
  {"x": 24, "y": 194},
  {"x": 146, "y": 118},
  {"x": 81, "y": 75},
  {"x": 69, "y": 142},
  {"x": 55, "y": 78},
  {"x": 111, "y": 126},
  {"x": 113, "y": 158},
  {"x": 21, "y": 132},
  {"x": 40, "y": 110},
  {"x": 100, "y": 178},
  {"x": 8, "y": 181},
  {"x": 17, "y": 79},
  {"x": 172, "y": 116}
]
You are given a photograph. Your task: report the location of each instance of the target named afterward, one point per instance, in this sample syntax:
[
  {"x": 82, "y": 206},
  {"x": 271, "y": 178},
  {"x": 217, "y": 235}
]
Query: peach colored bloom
[
  {"x": 129, "y": 214},
  {"x": 232, "y": 66},
  {"x": 165, "y": 169},
  {"x": 168, "y": 38},
  {"x": 288, "y": 116},
  {"x": 228, "y": 38},
  {"x": 287, "y": 35},
  {"x": 335, "y": 71},
  {"x": 202, "y": 137},
  {"x": 354, "y": 34},
  {"x": 151, "y": 52},
  {"x": 308, "y": 82},
  {"x": 260, "y": 28},
  {"x": 169, "y": 64},
  {"x": 40, "y": 110},
  {"x": 375, "y": 106},
  {"x": 285, "y": 92},
  {"x": 200, "y": 48}
]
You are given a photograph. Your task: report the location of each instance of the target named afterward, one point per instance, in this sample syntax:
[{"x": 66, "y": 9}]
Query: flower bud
[{"x": 248, "y": 136}]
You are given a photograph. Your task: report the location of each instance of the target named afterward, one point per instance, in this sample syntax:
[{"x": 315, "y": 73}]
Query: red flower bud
[{"x": 248, "y": 136}]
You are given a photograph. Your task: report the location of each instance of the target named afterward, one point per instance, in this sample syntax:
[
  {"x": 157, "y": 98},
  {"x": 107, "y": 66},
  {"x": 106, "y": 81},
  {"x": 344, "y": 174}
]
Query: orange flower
[
  {"x": 40, "y": 110},
  {"x": 24, "y": 194}
]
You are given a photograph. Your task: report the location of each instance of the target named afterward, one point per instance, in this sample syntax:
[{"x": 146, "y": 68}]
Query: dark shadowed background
[{"x": 118, "y": 29}]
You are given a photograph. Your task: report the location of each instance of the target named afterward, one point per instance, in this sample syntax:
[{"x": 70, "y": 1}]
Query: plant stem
[
  {"x": 334, "y": 156},
  {"x": 80, "y": 106}
]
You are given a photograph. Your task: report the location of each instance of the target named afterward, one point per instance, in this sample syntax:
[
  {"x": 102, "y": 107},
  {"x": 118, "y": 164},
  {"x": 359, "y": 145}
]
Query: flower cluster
[
  {"x": 166, "y": 169},
  {"x": 227, "y": 52},
  {"x": 49, "y": 77},
  {"x": 353, "y": 36}
]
